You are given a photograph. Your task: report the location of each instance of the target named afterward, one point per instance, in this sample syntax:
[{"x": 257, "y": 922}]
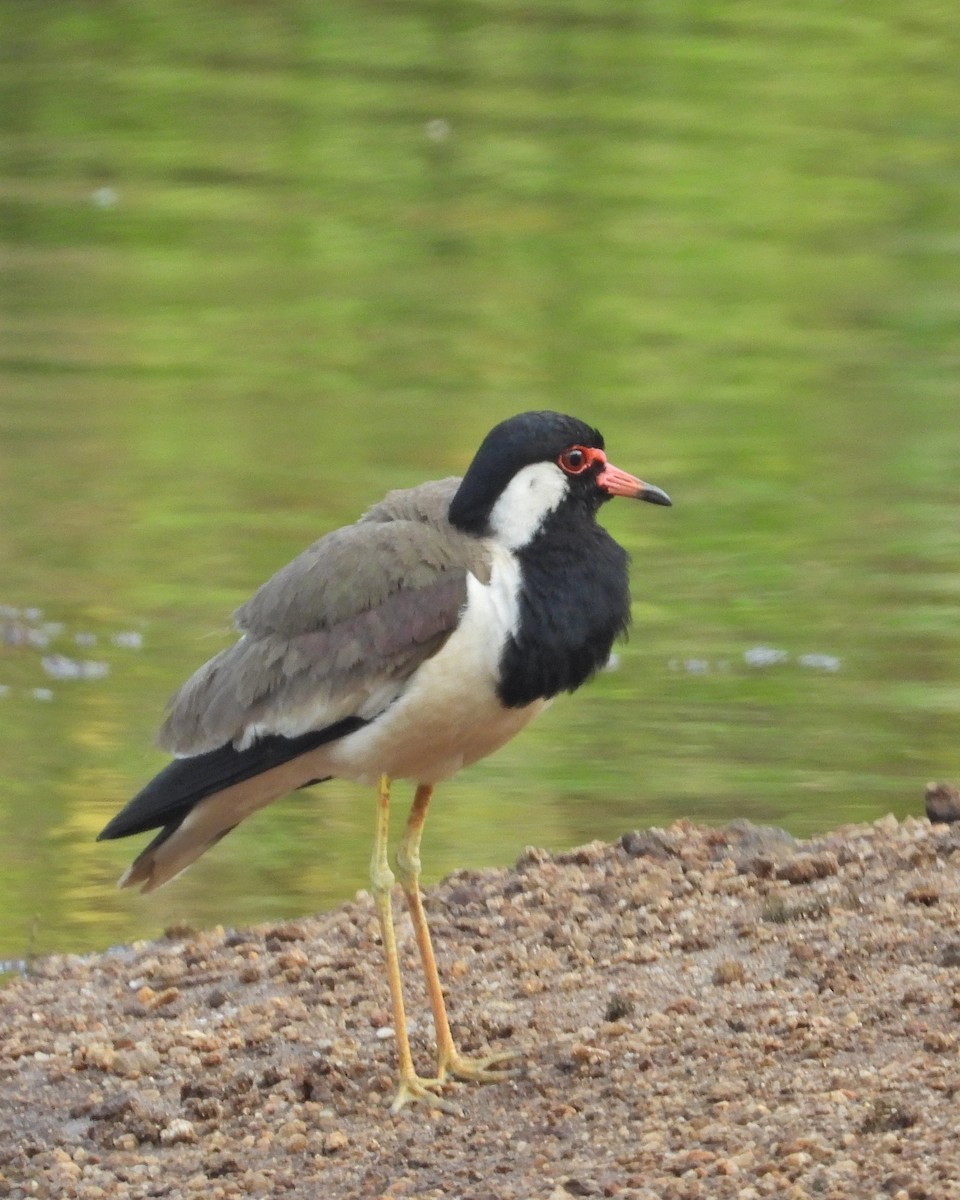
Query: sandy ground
[{"x": 701, "y": 1013}]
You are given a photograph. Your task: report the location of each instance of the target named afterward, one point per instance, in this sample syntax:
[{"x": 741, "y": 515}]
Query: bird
[{"x": 405, "y": 646}]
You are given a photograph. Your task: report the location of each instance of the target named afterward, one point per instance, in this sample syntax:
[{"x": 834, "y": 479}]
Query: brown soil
[{"x": 703, "y": 1013}]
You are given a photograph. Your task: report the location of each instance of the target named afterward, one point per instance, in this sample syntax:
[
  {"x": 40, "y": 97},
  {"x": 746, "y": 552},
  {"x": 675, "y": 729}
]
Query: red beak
[{"x": 621, "y": 483}]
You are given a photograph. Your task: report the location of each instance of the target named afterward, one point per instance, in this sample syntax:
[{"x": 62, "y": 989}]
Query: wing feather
[{"x": 337, "y": 632}]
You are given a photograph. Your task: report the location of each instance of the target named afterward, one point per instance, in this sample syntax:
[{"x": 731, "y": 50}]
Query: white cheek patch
[{"x": 526, "y": 502}]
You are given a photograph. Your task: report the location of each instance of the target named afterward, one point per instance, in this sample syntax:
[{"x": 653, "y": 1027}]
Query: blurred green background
[{"x": 260, "y": 263}]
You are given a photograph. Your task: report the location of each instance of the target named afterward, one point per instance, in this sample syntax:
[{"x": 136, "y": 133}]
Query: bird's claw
[
  {"x": 414, "y": 1090},
  {"x": 479, "y": 1070}
]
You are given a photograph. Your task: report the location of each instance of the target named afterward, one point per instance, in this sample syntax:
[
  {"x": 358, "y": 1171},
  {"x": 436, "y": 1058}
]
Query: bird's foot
[
  {"x": 479, "y": 1070},
  {"x": 412, "y": 1089}
]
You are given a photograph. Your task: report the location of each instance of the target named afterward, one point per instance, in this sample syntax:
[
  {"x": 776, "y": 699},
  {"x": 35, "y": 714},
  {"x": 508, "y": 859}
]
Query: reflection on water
[{"x": 261, "y": 265}]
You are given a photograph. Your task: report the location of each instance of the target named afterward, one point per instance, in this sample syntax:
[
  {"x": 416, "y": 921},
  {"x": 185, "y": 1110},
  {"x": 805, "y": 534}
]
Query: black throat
[{"x": 574, "y": 602}]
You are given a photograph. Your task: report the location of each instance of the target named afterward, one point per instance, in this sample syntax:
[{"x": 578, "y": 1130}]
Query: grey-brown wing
[{"x": 338, "y": 631}]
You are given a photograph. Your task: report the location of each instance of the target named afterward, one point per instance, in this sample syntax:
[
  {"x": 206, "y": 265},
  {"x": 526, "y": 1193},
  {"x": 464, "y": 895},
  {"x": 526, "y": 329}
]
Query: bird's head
[{"x": 531, "y": 465}]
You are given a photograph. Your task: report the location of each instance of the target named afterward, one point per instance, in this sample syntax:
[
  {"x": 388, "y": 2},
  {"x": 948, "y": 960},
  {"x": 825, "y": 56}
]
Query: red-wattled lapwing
[{"x": 402, "y": 647}]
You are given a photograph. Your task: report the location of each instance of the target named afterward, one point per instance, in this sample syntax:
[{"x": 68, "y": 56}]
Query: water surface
[{"x": 259, "y": 266}]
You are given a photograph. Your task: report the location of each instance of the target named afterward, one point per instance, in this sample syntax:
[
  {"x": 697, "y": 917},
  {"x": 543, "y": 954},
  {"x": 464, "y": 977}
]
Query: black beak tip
[{"x": 655, "y": 495}]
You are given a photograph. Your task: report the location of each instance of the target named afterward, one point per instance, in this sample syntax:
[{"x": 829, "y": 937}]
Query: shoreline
[{"x": 701, "y": 1012}]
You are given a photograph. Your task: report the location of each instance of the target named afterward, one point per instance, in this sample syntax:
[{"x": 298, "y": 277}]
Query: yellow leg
[
  {"x": 449, "y": 1059},
  {"x": 411, "y": 1086}
]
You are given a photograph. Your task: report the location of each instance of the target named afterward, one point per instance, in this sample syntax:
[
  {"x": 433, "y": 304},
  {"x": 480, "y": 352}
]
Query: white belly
[
  {"x": 430, "y": 741},
  {"x": 449, "y": 715}
]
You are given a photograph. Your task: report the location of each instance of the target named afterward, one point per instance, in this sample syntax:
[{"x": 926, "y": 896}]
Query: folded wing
[{"x": 338, "y": 631}]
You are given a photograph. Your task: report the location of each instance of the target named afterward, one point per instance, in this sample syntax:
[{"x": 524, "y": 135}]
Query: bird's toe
[
  {"x": 412, "y": 1089},
  {"x": 479, "y": 1070}
]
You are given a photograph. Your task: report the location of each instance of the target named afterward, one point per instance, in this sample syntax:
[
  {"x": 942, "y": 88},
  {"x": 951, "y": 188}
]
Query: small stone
[
  {"x": 532, "y": 856},
  {"x": 942, "y": 802},
  {"x": 579, "y": 1187},
  {"x": 140, "y": 1059},
  {"x": 335, "y": 1141},
  {"x": 618, "y": 1006},
  {"x": 764, "y": 866},
  {"x": 650, "y": 843},
  {"x": 180, "y": 931},
  {"x": 939, "y": 1042},
  {"x": 805, "y": 868},
  {"x": 729, "y": 971},
  {"x": 179, "y": 1130},
  {"x": 884, "y": 1115},
  {"x": 161, "y": 999},
  {"x": 290, "y": 932},
  {"x": 290, "y": 1128}
]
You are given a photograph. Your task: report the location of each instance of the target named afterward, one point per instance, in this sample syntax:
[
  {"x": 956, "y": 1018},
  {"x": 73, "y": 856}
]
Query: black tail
[{"x": 169, "y": 796}]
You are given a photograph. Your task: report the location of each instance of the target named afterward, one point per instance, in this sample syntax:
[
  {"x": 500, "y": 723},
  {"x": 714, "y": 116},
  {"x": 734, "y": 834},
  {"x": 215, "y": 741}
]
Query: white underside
[{"x": 449, "y": 714}]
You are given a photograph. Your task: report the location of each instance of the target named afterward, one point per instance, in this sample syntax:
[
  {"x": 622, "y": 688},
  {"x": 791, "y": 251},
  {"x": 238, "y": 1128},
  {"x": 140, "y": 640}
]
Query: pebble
[
  {"x": 942, "y": 802},
  {"x": 178, "y": 1130}
]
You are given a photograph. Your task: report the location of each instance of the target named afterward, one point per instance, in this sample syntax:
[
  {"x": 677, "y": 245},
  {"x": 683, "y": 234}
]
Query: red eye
[{"x": 578, "y": 459}]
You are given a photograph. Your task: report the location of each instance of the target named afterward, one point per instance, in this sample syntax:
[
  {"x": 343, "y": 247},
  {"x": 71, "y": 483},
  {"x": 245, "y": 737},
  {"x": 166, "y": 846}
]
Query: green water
[{"x": 258, "y": 264}]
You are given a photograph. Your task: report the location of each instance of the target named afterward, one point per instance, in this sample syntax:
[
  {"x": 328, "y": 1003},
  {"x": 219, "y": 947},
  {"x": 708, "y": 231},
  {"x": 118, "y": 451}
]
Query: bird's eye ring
[{"x": 576, "y": 459}]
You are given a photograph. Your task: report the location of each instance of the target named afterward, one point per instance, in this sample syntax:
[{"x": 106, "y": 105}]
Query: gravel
[{"x": 701, "y": 1013}]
